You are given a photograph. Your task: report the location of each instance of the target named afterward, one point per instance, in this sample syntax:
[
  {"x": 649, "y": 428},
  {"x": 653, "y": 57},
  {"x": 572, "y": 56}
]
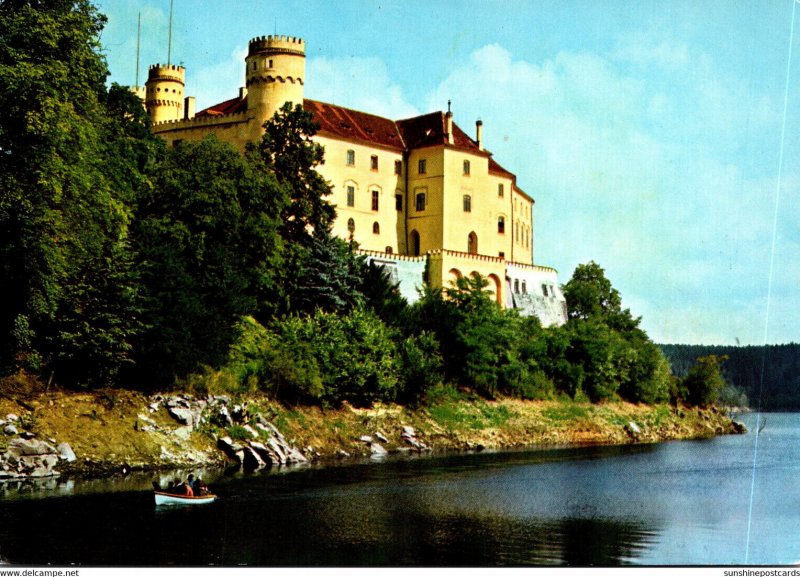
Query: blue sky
[{"x": 648, "y": 132}]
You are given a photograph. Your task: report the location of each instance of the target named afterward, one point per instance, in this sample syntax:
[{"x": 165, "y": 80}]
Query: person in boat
[
  {"x": 185, "y": 488},
  {"x": 200, "y": 488},
  {"x": 157, "y": 487}
]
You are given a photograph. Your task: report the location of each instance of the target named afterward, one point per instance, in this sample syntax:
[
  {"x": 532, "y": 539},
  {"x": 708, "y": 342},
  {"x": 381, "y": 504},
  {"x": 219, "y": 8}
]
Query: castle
[{"x": 415, "y": 194}]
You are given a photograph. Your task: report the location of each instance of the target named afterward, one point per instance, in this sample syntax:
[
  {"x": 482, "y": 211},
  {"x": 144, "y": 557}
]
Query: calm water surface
[{"x": 672, "y": 503}]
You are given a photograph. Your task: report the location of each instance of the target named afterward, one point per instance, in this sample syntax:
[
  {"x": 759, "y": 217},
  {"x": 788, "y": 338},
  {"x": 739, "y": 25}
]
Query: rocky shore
[{"x": 116, "y": 431}]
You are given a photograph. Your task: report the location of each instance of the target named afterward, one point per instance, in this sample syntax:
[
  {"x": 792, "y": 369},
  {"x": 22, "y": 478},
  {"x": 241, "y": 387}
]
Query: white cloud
[
  {"x": 644, "y": 176},
  {"x": 358, "y": 83}
]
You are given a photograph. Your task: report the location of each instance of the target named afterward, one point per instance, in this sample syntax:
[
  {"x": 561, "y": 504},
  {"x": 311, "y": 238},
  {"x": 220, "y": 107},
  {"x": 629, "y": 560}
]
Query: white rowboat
[{"x": 170, "y": 499}]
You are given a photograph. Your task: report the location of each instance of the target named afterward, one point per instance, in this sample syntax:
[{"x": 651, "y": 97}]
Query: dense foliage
[
  {"x": 761, "y": 376},
  {"x": 126, "y": 262}
]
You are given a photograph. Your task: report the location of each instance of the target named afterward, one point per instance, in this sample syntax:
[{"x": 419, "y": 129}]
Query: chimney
[
  {"x": 188, "y": 107},
  {"x": 479, "y": 133},
  {"x": 448, "y": 126}
]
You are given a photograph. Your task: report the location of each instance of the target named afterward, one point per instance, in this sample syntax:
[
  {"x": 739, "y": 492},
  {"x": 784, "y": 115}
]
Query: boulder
[
  {"x": 377, "y": 450},
  {"x": 251, "y": 460},
  {"x": 24, "y": 447},
  {"x": 66, "y": 453},
  {"x": 295, "y": 456},
  {"x": 365, "y": 439},
  {"x": 12, "y": 417},
  {"x": 381, "y": 437},
  {"x": 265, "y": 453},
  {"x": 232, "y": 450},
  {"x": 633, "y": 429},
  {"x": 408, "y": 432},
  {"x": 10, "y": 429},
  {"x": 183, "y": 415},
  {"x": 342, "y": 454},
  {"x": 278, "y": 449}
]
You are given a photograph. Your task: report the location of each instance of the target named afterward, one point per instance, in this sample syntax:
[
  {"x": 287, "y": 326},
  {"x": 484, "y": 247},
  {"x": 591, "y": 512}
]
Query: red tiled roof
[
  {"x": 416, "y": 132},
  {"x": 355, "y": 125},
  {"x": 429, "y": 130},
  {"x": 495, "y": 168},
  {"x": 231, "y": 106}
]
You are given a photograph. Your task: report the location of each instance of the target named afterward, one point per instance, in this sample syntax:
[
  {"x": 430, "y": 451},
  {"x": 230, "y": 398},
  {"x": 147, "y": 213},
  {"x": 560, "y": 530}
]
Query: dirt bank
[{"x": 112, "y": 430}]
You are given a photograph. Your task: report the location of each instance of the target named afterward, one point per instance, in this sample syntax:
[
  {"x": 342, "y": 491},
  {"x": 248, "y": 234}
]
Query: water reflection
[{"x": 674, "y": 503}]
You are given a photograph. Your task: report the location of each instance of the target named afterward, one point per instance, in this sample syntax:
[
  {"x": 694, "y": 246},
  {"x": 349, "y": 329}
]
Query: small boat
[{"x": 170, "y": 499}]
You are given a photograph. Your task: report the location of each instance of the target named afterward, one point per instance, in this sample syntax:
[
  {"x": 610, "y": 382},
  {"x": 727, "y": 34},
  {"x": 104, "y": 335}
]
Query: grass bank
[{"x": 113, "y": 428}]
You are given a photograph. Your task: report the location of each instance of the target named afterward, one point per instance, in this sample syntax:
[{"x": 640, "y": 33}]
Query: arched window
[
  {"x": 501, "y": 225},
  {"x": 351, "y": 225},
  {"x": 376, "y": 228},
  {"x": 420, "y": 201},
  {"x": 388, "y": 250},
  {"x": 415, "y": 243},
  {"x": 467, "y": 203},
  {"x": 472, "y": 243}
]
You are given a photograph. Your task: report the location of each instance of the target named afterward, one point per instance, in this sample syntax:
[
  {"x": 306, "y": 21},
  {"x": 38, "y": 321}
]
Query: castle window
[
  {"x": 255, "y": 65},
  {"x": 373, "y": 162},
  {"x": 388, "y": 250},
  {"x": 398, "y": 202},
  {"x": 270, "y": 63},
  {"x": 351, "y": 196},
  {"x": 376, "y": 228},
  {"x": 415, "y": 243},
  {"x": 398, "y": 167},
  {"x": 516, "y": 286},
  {"x": 374, "y": 200},
  {"x": 500, "y": 190},
  {"x": 501, "y": 225},
  {"x": 466, "y": 168},
  {"x": 420, "y": 201},
  {"x": 351, "y": 226},
  {"x": 502, "y": 254},
  {"x": 351, "y": 158},
  {"x": 422, "y": 166},
  {"x": 544, "y": 289},
  {"x": 472, "y": 243},
  {"x": 467, "y": 203},
  {"x": 524, "y": 288}
]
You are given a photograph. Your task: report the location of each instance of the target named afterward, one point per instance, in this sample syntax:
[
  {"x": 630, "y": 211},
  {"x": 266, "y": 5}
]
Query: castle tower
[
  {"x": 276, "y": 70},
  {"x": 164, "y": 92}
]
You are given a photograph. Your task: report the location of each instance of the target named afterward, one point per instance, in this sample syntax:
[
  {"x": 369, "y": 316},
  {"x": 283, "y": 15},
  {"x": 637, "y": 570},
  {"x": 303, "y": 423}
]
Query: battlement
[
  {"x": 166, "y": 72},
  {"x": 277, "y": 45},
  {"x": 200, "y": 121},
  {"x": 532, "y": 267},
  {"x": 388, "y": 256}
]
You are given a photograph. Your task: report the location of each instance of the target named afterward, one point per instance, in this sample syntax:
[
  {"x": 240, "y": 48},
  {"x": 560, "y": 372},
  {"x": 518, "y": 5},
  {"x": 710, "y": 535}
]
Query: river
[{"x": 675, "y": 503}]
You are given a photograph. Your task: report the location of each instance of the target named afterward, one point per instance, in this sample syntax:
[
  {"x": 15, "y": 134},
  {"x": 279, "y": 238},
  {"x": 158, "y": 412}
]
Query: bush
[
  {"x": 331, "y": 358},
  {"x": 421, "y": 366}
]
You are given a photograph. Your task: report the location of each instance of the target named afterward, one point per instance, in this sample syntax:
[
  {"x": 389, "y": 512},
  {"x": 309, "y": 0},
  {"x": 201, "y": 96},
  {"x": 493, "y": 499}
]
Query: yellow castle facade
[{"x": 418, "y": 195}]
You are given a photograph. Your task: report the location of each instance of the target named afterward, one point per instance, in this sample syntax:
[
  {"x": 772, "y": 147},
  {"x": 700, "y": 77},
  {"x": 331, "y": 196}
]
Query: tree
[
  {"x": 704, "y": 381},
  {"x": 589, "y": 294},
  {"x": 207, "y": 240},
  {"x": 287, "y": 150},
  {"x": 64, "y": 264}
]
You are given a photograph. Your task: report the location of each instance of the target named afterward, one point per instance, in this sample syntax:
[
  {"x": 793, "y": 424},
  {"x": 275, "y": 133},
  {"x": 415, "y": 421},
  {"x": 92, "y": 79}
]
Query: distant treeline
[{"x": 780, "y": 365}]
